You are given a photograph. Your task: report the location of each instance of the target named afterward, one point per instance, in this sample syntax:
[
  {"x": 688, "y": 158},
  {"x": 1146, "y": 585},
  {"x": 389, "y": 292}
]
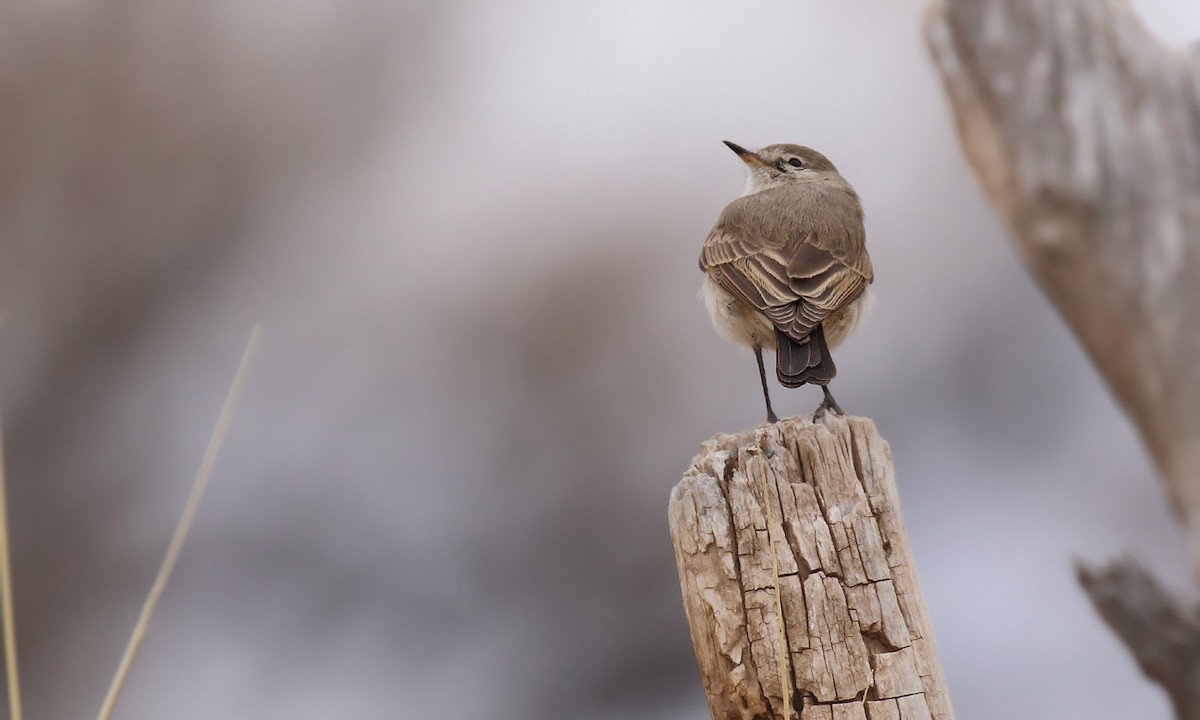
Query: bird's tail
[{"x": 797, "y": 363}]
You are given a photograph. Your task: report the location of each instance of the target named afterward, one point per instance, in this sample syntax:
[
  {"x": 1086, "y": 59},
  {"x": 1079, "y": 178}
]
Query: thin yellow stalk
[
  {"x": 6, "y": 602},
  {"x": 189, "y": 511}
]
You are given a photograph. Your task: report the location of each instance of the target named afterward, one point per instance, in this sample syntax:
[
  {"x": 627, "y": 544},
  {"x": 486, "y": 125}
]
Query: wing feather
[{"x": 795, "y": 253}]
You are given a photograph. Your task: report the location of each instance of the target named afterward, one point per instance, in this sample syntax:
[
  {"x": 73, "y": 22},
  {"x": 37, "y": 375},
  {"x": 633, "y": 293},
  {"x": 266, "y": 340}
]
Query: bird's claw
[{"x": 827, "y": 405}]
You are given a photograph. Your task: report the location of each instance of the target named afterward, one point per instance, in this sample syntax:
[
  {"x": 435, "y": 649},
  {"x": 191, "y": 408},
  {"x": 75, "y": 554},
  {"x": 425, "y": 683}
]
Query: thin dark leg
[
  {"x": 828, "y": 404},
  {"x": 762, "y": 375}
]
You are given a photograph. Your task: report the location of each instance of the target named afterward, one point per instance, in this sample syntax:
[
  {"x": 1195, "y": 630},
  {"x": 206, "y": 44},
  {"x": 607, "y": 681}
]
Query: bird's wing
[{"x": 781, "y": 254}]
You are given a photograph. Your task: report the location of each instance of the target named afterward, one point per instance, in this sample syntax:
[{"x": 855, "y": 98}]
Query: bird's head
[{"x": 782, "y": 164}]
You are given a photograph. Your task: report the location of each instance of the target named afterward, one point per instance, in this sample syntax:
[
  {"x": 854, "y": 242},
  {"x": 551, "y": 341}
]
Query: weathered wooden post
[{"x": 790, "y": 535}]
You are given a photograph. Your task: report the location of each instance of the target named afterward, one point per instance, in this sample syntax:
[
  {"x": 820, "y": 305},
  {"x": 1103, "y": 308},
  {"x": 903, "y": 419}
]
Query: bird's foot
[
  {"x": 827, "y": 405},
  {"x": 772, "y": 417}
]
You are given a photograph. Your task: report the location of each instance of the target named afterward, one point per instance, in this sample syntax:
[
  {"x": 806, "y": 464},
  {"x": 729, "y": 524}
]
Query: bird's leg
[
  {"x": 762, "y": 375},
  {"x": 828, "y": 404}
]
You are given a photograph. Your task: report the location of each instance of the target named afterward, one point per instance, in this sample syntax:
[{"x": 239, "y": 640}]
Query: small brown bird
[{"x": 787, "y": 267}]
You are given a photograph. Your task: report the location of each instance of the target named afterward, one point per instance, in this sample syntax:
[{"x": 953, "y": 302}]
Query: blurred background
[{"x": 470, "y": 231}]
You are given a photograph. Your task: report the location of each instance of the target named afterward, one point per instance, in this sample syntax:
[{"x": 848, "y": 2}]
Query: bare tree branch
[
  {"x": 1162, "y": 633},
  {"x": 1084, "y": 131}
]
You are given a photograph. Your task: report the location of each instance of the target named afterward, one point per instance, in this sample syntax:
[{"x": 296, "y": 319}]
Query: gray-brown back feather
[{"x": 796, "y": 252}]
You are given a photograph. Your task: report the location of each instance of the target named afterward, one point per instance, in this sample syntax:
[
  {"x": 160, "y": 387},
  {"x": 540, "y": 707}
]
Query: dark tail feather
[{"x": 797, "y": 363}]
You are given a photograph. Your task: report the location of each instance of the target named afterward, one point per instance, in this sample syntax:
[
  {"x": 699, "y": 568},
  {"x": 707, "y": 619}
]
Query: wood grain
[{"x": 818, "y": 501}]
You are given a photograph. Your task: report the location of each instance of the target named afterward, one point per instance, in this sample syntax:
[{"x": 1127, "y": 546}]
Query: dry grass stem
[
  {"x": 6, "y": 602},
  {"x": 181, "y": 530}
]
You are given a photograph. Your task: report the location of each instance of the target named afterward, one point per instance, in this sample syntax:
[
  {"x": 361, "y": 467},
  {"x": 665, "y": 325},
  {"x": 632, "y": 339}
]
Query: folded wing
[{"x": 780, "y": 252}]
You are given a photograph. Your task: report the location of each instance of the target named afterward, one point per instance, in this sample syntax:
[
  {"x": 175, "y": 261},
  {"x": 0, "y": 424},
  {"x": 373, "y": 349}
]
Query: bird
[{"x": 786, "y": 266}]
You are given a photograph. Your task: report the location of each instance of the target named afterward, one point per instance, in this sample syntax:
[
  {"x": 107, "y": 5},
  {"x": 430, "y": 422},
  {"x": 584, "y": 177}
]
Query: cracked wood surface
[
  {"x": 1084, "y": 131},
  {"x": 859, "y": 640}
]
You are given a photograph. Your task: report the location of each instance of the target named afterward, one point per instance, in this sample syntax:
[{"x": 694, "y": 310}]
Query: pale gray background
[{"x": 470, "y": 230}]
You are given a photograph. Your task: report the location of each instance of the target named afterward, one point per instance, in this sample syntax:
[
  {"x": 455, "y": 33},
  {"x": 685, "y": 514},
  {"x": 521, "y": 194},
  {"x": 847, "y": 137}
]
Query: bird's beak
[{"x": 747, "y": 157}]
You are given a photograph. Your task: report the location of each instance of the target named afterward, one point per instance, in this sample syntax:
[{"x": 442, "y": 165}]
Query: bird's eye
[{"x": 796, "y": 163}]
